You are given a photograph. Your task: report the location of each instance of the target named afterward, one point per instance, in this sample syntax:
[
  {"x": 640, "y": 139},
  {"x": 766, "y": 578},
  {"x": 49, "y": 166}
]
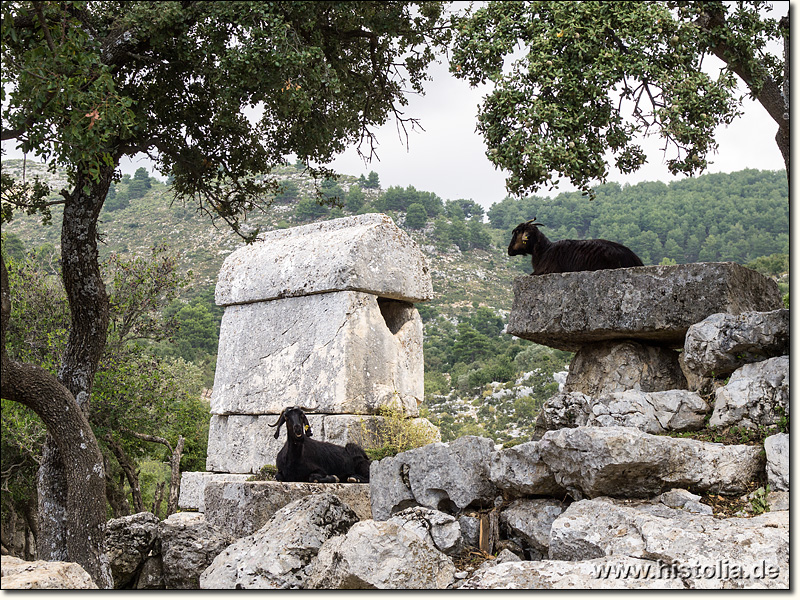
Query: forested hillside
[{"x": 477, "y": 379}]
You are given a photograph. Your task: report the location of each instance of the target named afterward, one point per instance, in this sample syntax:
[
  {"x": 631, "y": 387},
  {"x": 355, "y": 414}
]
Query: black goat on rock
[
  {"x": 307, "y": 460},
  {"x": 566, "y": 256}
]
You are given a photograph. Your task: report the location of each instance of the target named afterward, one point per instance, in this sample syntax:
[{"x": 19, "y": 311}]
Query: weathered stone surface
[
  {"x": 778, "y": 500},
  {"x": 567, "y": 575},
  {"x": 380, "y": 555},
  {"x": 605, "y": 367},
  {"x": 701, "y": 550},
  {"x": 684, "y": 499},
  {"x": 277, "y": 555},
  {"x": 565, "y": 409},
  {"x": 653, "y": 412},
  {"x": 627, "y": 463},
  {"x": 777, "y": 449},
  {"x": 721, "y": 343},
  {"x": 756, "y": 394},
  {"x": 245, "y": 443},
  {"x": 444, "y": 530},
  {"x": 366, "y": 253},
  {"x": 18, "y": 574},
  {"x": 188, "y": 545},
  {"x": 530, "y": 520},
  {"x": 241, "y": 508},
  {"x": 653, "y": 304},
  {"x": 341, "y": 353},
  {"x": 470, "y": 525},
  {"x": 193, "y": 487},
  {"x": 521, "y": 471},
  {"x": 443, "y": 476},
  {"x": 128, "y": 542},
  {"x": 151, "y": 577}
]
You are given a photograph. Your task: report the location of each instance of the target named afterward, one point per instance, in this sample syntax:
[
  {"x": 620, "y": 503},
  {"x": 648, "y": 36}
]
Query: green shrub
[{"x": 396, "y": 433}]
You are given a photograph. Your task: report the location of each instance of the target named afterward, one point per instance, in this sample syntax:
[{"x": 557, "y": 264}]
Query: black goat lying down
[
  {"x": 566, "y": 256},
  {"x": 307, "y": 460}
]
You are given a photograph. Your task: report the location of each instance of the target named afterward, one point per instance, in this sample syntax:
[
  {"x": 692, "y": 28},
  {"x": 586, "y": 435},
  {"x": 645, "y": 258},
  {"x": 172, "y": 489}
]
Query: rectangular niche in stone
[{"x": 337, "y": 353}]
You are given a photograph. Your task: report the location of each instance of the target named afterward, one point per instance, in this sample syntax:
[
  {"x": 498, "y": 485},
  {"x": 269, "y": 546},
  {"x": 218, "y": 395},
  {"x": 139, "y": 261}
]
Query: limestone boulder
[
  {"x": 366, "y": 253},
  {"x": 444, "y": 530},
  {"x": 129, "y": 541},
  {"x": 777, "y": 449},
  {"x": 151, "y": 577},
  {"x": 684, "y": 499},
  {"x": 606, "y": 573},
  {"x": 606, "y": 367},
  {"x": 241, "y": 508},
  {"x": 756, "y": 394},
  {"x": 18, "y": 574},
  {"x": 520, "y": 471},
  {"x": 278, "y": 554},
  {"x": 702, "y": 551},
  {"x": 651, "y": 412},
  {"x": 443, "y": 476},
  {"x": 625, "y": 462},
  {"x": 381, "y": 555},
  {"x": 721, "y": 343},
  {"x": 530, "y": 520},
  {"x": 188, "y": 546},
  {"x": 565, "y": 409},
  {"x": 338, "y": 353},
  {"x": 654, "y": 304}
]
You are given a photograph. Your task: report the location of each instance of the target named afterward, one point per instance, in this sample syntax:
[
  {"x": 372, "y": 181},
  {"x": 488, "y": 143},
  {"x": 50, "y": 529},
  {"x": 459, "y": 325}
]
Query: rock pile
[{"x": 601, "y": 499}]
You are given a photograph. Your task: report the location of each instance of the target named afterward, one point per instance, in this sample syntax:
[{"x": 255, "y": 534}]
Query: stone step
[{"x": 240, "y": 508}]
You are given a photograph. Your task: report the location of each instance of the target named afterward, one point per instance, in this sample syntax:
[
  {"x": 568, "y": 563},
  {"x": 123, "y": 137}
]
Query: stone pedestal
[
  {"x": 625, "y": 324},
  {"x": 322, "y": 317}
]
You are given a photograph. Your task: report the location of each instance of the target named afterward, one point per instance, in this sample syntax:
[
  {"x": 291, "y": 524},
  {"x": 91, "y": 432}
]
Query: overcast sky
[{"x": 448, "y": 157}]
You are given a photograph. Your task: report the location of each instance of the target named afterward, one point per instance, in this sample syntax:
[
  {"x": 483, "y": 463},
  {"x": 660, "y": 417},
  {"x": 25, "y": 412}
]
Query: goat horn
[{"x": 276, "y": 423}]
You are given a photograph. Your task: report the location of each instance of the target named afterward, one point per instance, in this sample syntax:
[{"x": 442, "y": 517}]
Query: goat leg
[{"x": 322, "y": 478}]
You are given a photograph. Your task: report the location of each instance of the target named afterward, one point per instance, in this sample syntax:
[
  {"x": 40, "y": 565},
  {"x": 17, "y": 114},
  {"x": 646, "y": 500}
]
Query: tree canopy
[
  {"x": 217, "y": 94},
  {"x": 213, "y": 92},
  {"x": 577, "y": 82}
]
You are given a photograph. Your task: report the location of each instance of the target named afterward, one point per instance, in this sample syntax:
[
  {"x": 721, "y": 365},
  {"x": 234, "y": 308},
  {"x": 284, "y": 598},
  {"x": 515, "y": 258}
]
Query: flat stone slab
[
  {"x": 653, "y": 304},
  {"x": 365, "y": 253},
  {"x": 338, "y": 353},
  {"x": 193, "y": 487},
  {"x": 243, "y": 507}
]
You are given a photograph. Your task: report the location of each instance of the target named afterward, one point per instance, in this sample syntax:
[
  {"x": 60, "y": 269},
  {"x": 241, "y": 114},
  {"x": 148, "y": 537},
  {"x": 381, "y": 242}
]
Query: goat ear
[{"x": 307, "y": 427}]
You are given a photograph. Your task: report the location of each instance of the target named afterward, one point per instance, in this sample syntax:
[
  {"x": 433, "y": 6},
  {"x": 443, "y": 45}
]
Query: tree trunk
[
  {"x": 175, "y": 478},
  {"x": 72, "y": 504},
  {"x": 84, "y": 508},
  {"x": 115, "y": 494},
  {"x": 174, "y": 462},
  {"x": 157, "y": 496},
  {"x": 772, "y": 95},
  {"x": 129, "y": 468}
]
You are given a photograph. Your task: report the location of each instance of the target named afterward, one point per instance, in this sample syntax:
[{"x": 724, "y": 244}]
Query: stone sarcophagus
[{"x": 320, "y": 316}]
